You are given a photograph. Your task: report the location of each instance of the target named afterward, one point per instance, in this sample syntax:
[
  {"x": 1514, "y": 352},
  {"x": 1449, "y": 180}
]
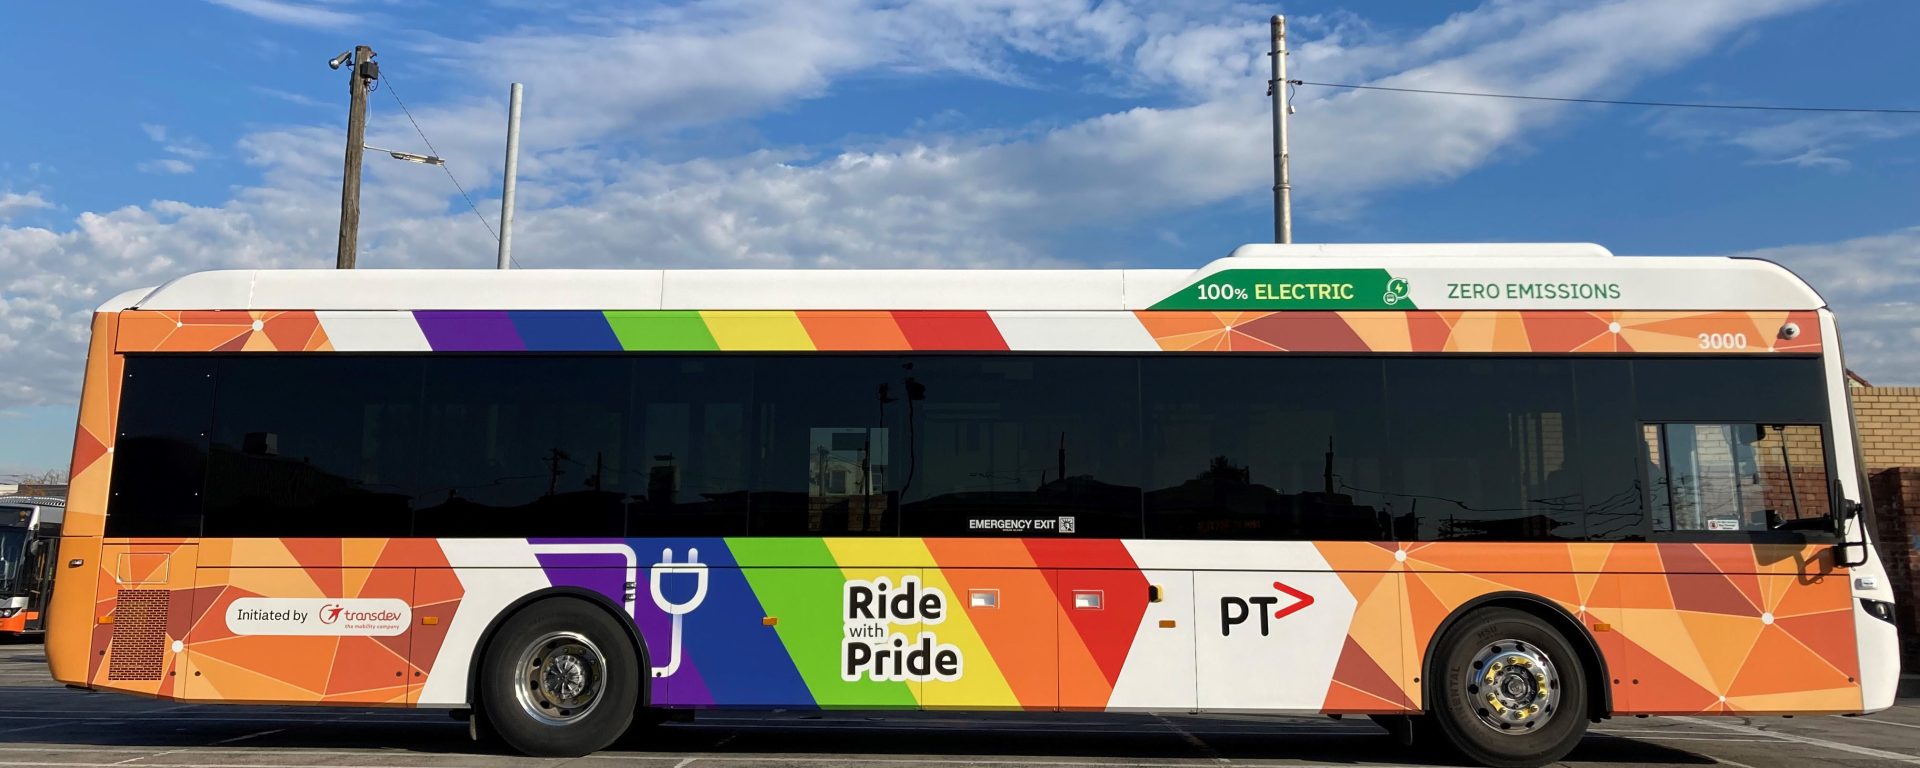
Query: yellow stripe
[
  {"x": 748, "y": 331},
  {"x": 981, "y": 683}
]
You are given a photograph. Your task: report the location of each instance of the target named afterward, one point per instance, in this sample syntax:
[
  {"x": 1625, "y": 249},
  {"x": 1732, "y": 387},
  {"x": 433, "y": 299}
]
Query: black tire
[
  {"x": 569, "y": 633},
  {"x": 1457, "y": 697}
]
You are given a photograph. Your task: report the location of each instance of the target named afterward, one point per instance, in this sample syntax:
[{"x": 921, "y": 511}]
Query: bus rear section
[{"x": 1471, "y": 517}]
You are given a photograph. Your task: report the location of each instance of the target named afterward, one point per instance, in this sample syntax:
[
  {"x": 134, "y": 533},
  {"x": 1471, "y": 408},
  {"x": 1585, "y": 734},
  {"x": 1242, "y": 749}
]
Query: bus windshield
[{"x": 13, "y": 554}]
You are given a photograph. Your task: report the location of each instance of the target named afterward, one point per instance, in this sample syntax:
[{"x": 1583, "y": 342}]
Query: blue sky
[{"x": 155, "y": 139}]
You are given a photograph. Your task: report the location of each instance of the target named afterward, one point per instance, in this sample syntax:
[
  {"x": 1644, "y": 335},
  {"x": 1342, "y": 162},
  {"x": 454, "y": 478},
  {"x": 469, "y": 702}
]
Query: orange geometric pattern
[
  {"x": 1683, "y": 628},
  {"x": 215, "y": 331},
  {"x": 1481, "y": 331},
  {"x": 215, "y": 664}
]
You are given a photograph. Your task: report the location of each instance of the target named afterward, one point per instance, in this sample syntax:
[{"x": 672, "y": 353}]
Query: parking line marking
[
  {"x": 1881, "y": 722},
  {"x": 33, "y": 727},
  {"x": 248, "y": 736},
  {"x": 1808, "y": 740}
]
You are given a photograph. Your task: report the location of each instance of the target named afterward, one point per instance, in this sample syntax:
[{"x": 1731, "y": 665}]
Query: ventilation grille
[{"x": 139, "y": 635}]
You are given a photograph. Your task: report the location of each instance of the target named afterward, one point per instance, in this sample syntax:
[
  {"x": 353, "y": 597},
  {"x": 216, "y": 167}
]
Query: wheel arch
[
  {"x": 1599, "y": 694},
  {"x": 526, "y": 601}
]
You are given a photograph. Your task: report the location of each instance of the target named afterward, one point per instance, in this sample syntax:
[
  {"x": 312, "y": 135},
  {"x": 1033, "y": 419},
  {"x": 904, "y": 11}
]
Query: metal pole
[
  {"x": 513, "y": 169},
  {"x": 364, "y": 71},
  {"x": 1277, "y": 87}
]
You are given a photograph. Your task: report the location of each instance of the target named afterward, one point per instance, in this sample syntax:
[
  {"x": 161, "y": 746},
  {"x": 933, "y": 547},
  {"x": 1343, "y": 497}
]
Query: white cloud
[
  {"x": 591, "y": 195},
  {"x": 1871, "y": 283},
  {"x": 182, "y": 149},
  {"x": 15, "y": 203},
  {"x": 1821, "y": 140},
  {"x": 296, "y": 14},
  {"x": 172, "y": 165}
]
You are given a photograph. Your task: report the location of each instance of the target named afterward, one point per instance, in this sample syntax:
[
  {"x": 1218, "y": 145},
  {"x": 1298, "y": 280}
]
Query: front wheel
[
  {"x": 560, "y": 679},
  {"x": 1508, "y": 690}
]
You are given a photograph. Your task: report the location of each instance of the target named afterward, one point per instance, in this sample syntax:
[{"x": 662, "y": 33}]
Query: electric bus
[{"x": 1487, "y": 494}]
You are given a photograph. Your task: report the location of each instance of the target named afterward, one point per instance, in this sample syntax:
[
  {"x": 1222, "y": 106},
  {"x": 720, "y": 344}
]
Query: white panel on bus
[
  {"x": 1159, "y": 673},
  {"x": 373, "y": 331},
  {"x": 1246, "y": 657},
  {"x": 905, "y": 289},
  {"x": 1041, "y": 331},
  {"x": 494, "y": 573}
]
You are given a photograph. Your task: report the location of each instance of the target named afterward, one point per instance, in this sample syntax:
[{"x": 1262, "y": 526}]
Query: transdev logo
[{"x": 370, "y": 617}]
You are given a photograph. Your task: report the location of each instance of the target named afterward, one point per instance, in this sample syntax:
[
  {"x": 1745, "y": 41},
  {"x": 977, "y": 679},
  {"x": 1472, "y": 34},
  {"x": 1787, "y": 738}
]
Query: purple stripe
[{"x": 468, "y": 331}]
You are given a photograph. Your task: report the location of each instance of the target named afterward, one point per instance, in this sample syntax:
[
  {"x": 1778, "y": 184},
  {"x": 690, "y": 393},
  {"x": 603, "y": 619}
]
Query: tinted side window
[
  {"x": 321, "y": 445},
  {"x": 1608, "y": 444},
  {"x": 691, "y": 442},
  {"x": 160, "y": 452},
  {"x": 1480, "y": 449},
  {"x": 1782, "y": 390},
  {"x": 1021, "y": 446},
  {"x": 1265, "y": 447},
  {"x": 827, "y": 446},
  {"x": 525, "y": 446}
]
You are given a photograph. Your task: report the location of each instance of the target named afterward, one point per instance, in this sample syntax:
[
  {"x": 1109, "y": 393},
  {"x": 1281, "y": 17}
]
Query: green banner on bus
[{"x": 1237, "y": 289}]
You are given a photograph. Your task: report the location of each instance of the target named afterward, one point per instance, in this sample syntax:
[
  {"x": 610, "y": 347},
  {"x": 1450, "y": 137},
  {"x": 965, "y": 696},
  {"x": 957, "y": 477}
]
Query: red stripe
[{"x": 960, "y": 331}]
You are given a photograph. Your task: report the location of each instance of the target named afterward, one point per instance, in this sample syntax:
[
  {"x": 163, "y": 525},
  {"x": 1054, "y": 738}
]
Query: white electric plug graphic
[{"x": 678, "y": 610}]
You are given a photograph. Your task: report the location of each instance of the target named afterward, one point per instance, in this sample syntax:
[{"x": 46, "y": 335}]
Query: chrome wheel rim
[
  {"x": 560, "y": 678},
  {"x": 1513, "y": 687}
]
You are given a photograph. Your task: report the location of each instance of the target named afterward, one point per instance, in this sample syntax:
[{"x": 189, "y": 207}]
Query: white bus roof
[{"x": 1425, "y": 276}]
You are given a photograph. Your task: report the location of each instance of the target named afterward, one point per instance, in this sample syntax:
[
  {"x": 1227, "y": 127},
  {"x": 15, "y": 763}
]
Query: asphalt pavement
[{"x": 45, "y": 724}]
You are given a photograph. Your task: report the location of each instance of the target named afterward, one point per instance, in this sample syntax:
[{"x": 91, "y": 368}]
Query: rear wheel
[
  {"x": 560, "y": 679},
  {"x": 1508, "y": 690}
]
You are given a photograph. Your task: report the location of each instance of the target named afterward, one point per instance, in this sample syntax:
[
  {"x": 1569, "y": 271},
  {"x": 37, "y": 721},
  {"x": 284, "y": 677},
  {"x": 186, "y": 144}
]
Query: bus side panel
[
  {"x": 1685, "y": 628},
  {"x": 343, "y": 607},
  {"x": 1734, "y": 629},
  {"x": 70, "y": 615}
]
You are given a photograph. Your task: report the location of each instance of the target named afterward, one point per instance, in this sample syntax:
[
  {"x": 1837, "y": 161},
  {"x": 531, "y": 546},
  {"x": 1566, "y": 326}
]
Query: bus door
[
  {"x": 301, "y": 621},
  {"x": 36, "y": 577},
  {"x": 143, "y": 608}
]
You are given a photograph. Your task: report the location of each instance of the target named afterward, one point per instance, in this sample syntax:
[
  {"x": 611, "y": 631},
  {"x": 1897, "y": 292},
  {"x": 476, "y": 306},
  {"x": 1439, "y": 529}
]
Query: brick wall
[{"x": 1889, "y": 423}]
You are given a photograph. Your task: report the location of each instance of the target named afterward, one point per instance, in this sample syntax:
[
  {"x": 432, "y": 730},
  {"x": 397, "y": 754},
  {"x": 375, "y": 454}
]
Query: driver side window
[{"x": 1737, "y": 477}]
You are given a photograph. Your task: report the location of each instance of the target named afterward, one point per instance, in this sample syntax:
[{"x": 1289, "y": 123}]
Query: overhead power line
[
  {"x": 1619, "y": 102},
  {"x": 388, "y": 82}
]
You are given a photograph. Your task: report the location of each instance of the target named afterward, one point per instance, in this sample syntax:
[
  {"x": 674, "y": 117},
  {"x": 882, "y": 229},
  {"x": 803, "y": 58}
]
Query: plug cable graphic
[
  {"x": 692, "y": 567},
  {"x": 656, "y": 576}
]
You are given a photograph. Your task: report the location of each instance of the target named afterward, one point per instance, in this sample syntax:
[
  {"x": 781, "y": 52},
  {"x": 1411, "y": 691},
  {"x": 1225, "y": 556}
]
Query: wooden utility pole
[{"x": 365, "y": 71}]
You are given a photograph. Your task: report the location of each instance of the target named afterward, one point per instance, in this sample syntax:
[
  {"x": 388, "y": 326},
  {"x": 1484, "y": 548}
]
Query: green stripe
[
  {"x": 663, "y": 330},
  {"x": 807, "y": 602}
]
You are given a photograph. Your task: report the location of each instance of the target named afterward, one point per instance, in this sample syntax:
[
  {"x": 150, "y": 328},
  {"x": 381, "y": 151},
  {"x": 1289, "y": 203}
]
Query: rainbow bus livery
[{"x": 1485, "y": 492}]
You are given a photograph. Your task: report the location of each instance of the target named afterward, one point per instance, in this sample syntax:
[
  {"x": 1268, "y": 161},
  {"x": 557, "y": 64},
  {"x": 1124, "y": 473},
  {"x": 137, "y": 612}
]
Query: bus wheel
[
  {"x": 560, "y": 679},
  {"x": 1509, "y": 690}
]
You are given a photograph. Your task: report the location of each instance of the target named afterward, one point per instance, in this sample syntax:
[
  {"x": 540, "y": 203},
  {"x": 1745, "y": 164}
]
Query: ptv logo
[{"x": 1235, "y": 611}]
